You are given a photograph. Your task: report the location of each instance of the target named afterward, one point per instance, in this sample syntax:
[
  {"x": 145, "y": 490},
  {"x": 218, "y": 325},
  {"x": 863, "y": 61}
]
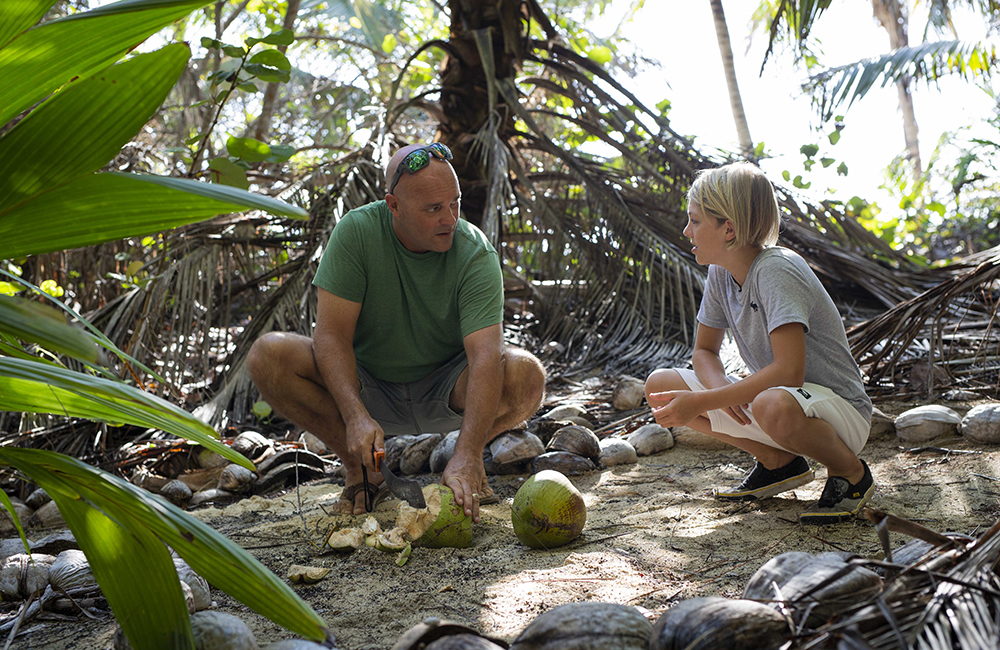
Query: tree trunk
[
  {"x": 263, "y": 124},
  {"x": 735, "y": 101},
  {"x": 892, "y": 15}
]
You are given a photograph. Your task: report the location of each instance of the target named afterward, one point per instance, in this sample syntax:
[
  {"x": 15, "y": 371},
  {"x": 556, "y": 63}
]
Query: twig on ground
[{"x": 939, "y": 450}]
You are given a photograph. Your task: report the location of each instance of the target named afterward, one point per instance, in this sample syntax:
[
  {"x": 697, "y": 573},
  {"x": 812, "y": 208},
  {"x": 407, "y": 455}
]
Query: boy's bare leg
[
  {"x": 780, "y": 416},
  {"x": 661, "y": 381},
  {"x": 284, "y": 371}
]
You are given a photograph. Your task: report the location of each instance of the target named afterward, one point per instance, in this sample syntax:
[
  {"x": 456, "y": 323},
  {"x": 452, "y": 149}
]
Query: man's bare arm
[{"x": 333, "y": 349}]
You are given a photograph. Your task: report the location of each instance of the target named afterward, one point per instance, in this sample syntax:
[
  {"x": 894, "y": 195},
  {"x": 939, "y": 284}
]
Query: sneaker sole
[
  {"x": 789, "y": 483},
  {"x": 835, "y": 517}
]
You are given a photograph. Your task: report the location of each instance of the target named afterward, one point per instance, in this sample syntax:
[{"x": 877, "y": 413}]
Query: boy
[{"x": 805, "y": 396}]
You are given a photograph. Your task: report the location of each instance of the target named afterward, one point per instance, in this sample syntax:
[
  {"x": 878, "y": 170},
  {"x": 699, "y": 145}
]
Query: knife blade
[{"x": 406, "y": 489}]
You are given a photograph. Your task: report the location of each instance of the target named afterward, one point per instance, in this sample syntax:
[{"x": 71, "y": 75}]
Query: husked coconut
[
  {"x": 615, "y": 451},
  {"x": 214, "y": 495},
  {"x": 23, "y": 512},
  {"x": 925, "y": 423},
  {"x": 220, "y": 631},
  {"x": 22, "y": 575},
  {"x": 394, "y": 448},
  {"x": 566, "y": 411},
  {"x": 199, "y": 586},
  {"x": 692, "y": 439},
  {"x": 586, "y": 626},
  {"x": 48, "y": 516},
  {"x": 515, "y": 446},
  {"x": 236, "y": 479},
  {"x": 463, "y": 641},
  {"x": 177, "y": 492},
  {"x": 294, "y": 644},
  {"x": 37, "y": 499},
  {"x": 207, "y": 459},
  {"x": 882, "y": 425},
  {"x": 251, "y": 443},
  {"x": 628, "y": 394},
  {"x": 651, "y": 439},
  {"x": 712, "y": 622},
  {"x": 443, "y": 452},
  {"x": 71, "y": 570},
  {"x": 416, "y": 457},
  {"x": 544, "y": 428},
  {"x": 563, "y": 462},
  {"x": 982, "y": 424},
  {"x": 576, "y": 440}
]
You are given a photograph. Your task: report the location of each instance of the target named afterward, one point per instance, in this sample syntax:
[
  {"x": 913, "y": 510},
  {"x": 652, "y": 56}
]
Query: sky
[{"x": 680, "y": 34}]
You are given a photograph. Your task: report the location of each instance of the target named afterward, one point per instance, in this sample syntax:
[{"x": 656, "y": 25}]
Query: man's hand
[
  {"x": 364, "y": 435},
  {"x": 466, "y": 477}
]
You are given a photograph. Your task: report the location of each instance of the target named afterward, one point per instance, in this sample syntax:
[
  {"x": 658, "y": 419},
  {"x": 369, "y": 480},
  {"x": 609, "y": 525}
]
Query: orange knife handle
[{"x": 379, "y": 457}]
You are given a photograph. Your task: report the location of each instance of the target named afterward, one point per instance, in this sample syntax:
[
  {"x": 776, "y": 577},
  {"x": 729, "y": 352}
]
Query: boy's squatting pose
[{"x": 805, "y": 396}]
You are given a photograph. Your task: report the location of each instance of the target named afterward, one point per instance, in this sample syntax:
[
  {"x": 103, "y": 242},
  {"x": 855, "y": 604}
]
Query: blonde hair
[{"x": 742, "y": 194}]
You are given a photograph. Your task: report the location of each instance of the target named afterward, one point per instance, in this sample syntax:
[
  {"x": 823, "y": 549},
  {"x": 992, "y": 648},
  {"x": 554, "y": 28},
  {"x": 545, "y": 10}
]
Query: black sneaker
[
  {"x": 840, "y": 500},
  {"x": 761, "y": 482}
]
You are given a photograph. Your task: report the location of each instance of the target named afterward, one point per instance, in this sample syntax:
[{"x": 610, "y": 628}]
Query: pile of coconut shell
[{"x": 935, "y": 592}]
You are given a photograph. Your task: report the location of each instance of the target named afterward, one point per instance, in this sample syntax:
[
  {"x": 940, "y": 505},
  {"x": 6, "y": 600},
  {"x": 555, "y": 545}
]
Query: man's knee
[
  {"x": 524, "y": 380},
  {"x": 273, "y": 353}
]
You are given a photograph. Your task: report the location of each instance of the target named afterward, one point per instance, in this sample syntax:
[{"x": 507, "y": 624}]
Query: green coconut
[
  {"x": 548, "y": 511},
  {"x": 442, "y": 523}
]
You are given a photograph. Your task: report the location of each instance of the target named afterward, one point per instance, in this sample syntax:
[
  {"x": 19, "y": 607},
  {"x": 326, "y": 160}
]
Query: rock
[
  {"x": 55, "y": 543},
  {"x": 882, "y": 425},
  {"x": 220, "y": 631},
  {"x": 417, "y": 455},
  {"x": 925, "y": 423},
  {"x": 177, "y": 492},
  {"x": 200, "y": 590},
  {"x": 563, "y": 462},
  {"x": 798, "y": 574},
  {"x": 651, "y": 439},
  {"x": 615, "y": 451},
  {"x": 982, "y": 424},
  {"x": 37, "y": 499},
  {"x": 236, "y": 479},
  {"x": 565, "y": 412},
  {"x": 577, "y": 440},
  {"x": 586, "y": 626},
  {"x": 313, "y": 444},
  {"x": 515, "y": 446},
  {"x": 48, "y": 516},
  {"x": 628, "y": 394},
  {"x": 12, "y": 546},
  {"x": 251, "y": 443},
  {"x": 394, "y": 448},
  {"x": 443, "y": 452},
  {"x": 711, "y": 623}
]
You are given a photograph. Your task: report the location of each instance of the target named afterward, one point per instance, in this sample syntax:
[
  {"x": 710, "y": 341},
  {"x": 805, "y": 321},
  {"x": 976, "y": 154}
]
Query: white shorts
[{"x": 816, "y": 401}]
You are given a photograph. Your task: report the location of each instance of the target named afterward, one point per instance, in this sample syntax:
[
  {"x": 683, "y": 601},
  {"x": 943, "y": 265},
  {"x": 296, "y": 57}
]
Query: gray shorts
[{"x": 416, "y": 407}]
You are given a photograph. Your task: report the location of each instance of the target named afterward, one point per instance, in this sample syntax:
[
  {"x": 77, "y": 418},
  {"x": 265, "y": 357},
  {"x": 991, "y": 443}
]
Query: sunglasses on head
[{"x": 418, "y": 159}]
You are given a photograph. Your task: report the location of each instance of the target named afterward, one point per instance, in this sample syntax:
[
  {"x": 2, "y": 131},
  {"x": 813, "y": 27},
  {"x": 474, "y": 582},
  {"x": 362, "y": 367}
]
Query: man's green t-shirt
[{"x": 415, "y": 307}]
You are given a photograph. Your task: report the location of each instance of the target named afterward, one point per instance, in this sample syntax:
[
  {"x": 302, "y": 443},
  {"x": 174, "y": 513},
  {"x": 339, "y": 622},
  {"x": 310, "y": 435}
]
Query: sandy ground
[{"x": 654, "y": 536}]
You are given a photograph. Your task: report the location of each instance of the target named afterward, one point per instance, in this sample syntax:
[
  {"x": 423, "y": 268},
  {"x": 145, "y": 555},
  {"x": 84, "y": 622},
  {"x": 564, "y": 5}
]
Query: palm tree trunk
[
  {"x": 892, "y": 15},
  {"x": 726, "y": 50}
]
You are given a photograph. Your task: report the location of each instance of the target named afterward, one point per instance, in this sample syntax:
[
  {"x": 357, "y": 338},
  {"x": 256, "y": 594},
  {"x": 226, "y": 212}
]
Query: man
[{"x": 408, "y": 335}]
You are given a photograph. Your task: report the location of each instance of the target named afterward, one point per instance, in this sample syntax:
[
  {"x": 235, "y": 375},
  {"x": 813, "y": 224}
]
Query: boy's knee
[
  {"x": 663, "y": 379},
  {"x": 775, "y": 410}
]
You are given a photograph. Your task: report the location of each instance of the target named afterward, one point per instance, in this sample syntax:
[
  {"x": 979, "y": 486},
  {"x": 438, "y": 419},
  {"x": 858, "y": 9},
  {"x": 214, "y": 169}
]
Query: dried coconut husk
[
  {"x": 513, "y": 447},
  {"x": 586, "y": 626},
  {"x": 71, "y": 570},
  {"x": 23, "y": 575},
  {"x": 714, "y": 623}
]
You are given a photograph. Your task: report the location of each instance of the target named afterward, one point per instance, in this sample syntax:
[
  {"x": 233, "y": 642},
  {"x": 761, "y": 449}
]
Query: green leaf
[
  {"x": 13, "y": 517},
  {"x": 389, "y": 43},
  {"x": 234, "y": 51},
  {"x": 223, "y": 563},
  {"x": 809, "y": 150},
  {"x": 37, "y": 323},
  {"x": 842, "y": 169},
  {"x": 226, "y": 172},
  {"x": 248, "y": 149},
  {"x": 826, "y": 162},
  {"x": 600, "y": 55},
  {"x": 49, "y": 148},
  {"x": 797, "y": 182},
  {"x": 834, "y": 137},
  {"x": 280, "y": 153},
  {"x": 245, "y": 86},
  {"x": 265, "y": 73},
  {"x": 210, "y": 43},
  {"x": 280, "y": 37},
  {"x": 18, "y": 15},
  {"x": 108, "y": 206},
  {"x": 42, "y": 59},
  {"x": 37, "y": 387},
  {"x": 786, "y": 175},
  {"x": 262, "y": 409},
  {"x": 269, "y": 65}
]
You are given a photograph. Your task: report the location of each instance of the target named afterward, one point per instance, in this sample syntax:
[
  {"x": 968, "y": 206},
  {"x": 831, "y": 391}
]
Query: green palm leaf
[
  {"x": 42, "y": 59},
  {"x": 102, "y": 207},
  {"x": 19, "y": 15},
  {"x": 37, "y": 387},
  {"x": 224, "y": 564},
  {"x": 47, "y": 149},
  {"x": 37, "y": 323}
]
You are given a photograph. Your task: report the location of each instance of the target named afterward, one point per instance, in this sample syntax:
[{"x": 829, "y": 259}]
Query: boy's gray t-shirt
[{"x": 780, "y": 289}]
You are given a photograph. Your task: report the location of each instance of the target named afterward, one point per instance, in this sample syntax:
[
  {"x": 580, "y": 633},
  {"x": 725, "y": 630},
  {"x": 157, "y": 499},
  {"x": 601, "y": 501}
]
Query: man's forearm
[{"x": 485, "y": 387}]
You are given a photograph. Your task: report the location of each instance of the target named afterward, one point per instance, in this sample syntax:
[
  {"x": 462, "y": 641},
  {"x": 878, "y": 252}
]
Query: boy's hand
[
  {"x": 738, "y": 413},
  {"x": 674, "y": 408}
]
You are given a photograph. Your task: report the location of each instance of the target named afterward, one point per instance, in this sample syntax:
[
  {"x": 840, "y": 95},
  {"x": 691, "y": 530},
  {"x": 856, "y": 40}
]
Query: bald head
[{"x": 393, "y": 166}]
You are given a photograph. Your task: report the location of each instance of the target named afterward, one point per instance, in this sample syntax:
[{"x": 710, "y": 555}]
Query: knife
[{"x": 406, "y": 489}]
